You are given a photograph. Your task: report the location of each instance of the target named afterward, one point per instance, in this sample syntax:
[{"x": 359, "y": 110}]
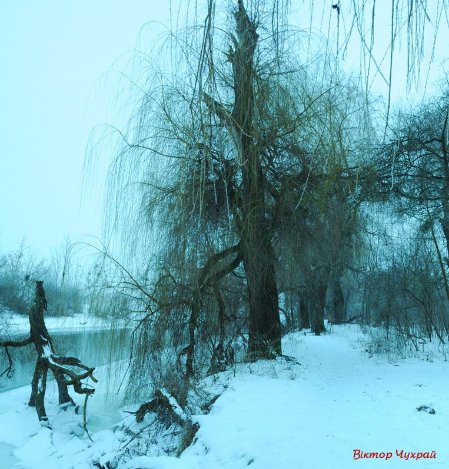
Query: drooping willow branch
[{"x": 207, "y": 278}]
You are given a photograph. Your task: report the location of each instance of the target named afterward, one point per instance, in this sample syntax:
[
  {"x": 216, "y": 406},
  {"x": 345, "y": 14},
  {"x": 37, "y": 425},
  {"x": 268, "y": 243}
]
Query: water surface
[{"x": 93, "y": 348}]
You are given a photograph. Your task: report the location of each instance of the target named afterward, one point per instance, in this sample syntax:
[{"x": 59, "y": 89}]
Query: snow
[
  {"x": 311, "y": 409},
  {"x": 64, "y": 446},
  {"x": 174, "y": 405},
  {"x": 20, "y": 324},
  {"x": 47, "y": 350}
]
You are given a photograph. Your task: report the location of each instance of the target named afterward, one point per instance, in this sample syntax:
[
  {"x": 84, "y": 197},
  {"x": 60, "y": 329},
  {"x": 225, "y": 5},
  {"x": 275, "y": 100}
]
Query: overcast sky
[{"x": 53, "y": 55}]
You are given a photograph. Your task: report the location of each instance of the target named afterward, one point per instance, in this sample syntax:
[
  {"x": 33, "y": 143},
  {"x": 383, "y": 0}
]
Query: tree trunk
[
  {"x": 194, "y": 313},
  {"x": 291, "y": 313},
  {"x": 208, "y": 276},
  {"x": 264, "y": 322},
  {"x": 219, "y": 359},
  {"x": 318, "y": 301},
  {"x": 38, "y": 388},
  {"x": 257, "y": 250},
  {"x": 304, "y": 313},
  {"x": 63, "y": 390},
  {"x": 44, "y": 348},
  {"x": 337, "y": 303}
]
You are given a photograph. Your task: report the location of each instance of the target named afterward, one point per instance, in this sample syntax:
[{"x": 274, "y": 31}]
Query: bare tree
[{"x": 413, "y": 170}]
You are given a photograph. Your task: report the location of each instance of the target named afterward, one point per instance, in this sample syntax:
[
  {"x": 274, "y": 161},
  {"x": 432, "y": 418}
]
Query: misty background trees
[{"x": 19, "y": 270}]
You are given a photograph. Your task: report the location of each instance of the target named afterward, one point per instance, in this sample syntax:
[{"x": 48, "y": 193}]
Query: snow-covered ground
[{"x": 313, "y": 409}]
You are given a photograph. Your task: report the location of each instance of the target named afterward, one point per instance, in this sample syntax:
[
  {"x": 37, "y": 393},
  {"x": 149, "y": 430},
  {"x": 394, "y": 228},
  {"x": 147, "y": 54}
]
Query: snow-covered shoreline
[{"x": 311, "y": 409}]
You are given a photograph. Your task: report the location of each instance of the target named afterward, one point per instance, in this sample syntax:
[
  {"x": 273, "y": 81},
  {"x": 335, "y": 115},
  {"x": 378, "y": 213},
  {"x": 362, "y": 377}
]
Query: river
[{"x": 94, "y": 348}]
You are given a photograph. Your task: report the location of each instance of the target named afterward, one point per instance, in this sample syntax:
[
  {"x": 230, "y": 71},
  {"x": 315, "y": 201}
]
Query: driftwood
[
  {"x": 68, "y": 371},
  {"x": 163, "y": 404},
  {"x": 167, "y": 408}
]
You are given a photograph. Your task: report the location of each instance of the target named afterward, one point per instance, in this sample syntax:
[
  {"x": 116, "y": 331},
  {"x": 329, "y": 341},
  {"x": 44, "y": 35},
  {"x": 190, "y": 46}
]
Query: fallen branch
[
  {"x": 163, "y": 402},
  {"x": 12, "y": 343},
  {"x": 164, "y": 405}
]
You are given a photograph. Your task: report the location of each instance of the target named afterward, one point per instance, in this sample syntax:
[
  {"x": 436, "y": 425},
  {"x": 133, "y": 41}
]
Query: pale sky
[{"x": 54, "y": 56}]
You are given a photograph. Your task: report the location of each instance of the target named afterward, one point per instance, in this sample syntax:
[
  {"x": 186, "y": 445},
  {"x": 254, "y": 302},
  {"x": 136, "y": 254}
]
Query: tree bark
[
  {"x": 254, "y": 230},
  {"x": 318, "y": 300},
  {"x": 38, "y": 388},
  {"x": 337, "y": 303},
  {"x": 304, "y": 313},
  {"x": 249, "y": 205},
  {"x": 445, "y": 186},
  {"x": 218, "y": 359},
  {"x": 264, "y": 322},
  {"x": 63, "y": 390},
  {"x": 44, "y": 348}
]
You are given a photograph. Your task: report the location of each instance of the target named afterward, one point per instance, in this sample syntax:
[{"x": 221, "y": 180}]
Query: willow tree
[
  {"x": 197, "y": 147},
  {"x": 320, "y": 194},
  {"x": 213, "y": 149},
  {"x": 207, "y": 147},
  {"x": 251, "y": 214}
]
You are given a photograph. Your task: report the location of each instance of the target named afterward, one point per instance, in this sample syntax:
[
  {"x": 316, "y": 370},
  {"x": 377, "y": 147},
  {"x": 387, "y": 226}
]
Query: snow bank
[{"x": 312, "y": 410}]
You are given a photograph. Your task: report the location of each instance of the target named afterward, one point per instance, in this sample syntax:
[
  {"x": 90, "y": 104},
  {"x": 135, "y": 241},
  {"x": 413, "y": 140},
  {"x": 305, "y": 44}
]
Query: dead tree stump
[{"x": 66, "y": 370}]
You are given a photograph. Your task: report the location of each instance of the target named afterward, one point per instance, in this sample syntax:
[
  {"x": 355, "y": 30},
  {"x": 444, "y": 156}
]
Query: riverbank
[
  {"x": 25, "y": 442},
  {"x": 330, "y": 398}
]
